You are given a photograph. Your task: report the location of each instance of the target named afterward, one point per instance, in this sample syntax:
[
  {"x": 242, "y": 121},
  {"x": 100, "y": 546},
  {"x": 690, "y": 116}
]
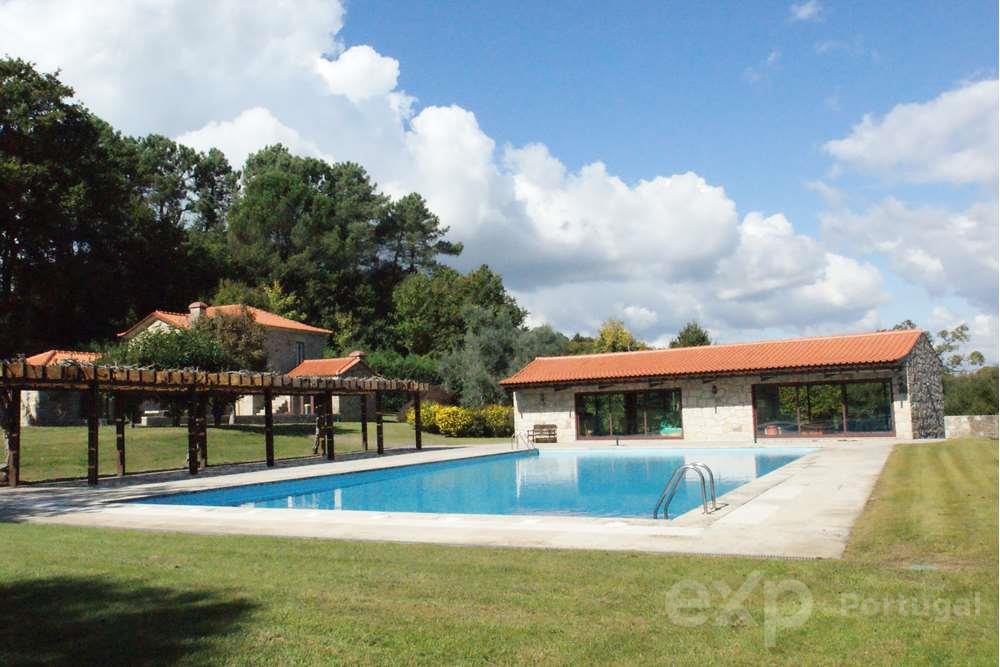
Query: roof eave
[{"x": 625, "y": 379}]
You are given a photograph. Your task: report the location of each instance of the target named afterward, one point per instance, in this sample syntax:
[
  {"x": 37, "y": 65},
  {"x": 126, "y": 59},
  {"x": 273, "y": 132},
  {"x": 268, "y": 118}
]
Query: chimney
[
  {"x": 358, "y": 354},
  {"x": 196, "y": 310}
]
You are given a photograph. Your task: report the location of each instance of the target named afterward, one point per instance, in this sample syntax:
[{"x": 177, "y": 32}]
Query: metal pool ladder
[{"x": 675, "y": 480}]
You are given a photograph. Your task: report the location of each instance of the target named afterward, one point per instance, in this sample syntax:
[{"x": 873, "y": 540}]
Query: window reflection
[
  {"x": 654, "y": 413},
  {"x": 823, "y": 408}
]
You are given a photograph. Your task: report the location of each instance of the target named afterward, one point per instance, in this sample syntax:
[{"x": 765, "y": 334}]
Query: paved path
[{"x": 803, "y": 509}]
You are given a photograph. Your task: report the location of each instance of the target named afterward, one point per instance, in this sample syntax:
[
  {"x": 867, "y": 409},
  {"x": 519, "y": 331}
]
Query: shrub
[
  {"x": 458, "y": 422},
  {"x": 498, "y": 420},
  {"x": 428, "y": 417},
  {"x": 454, "y": 421}
]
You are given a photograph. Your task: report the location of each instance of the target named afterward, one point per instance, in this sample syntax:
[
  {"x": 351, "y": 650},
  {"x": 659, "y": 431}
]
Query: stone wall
[
  {"x": 926, "y": 396},
  {"x": 349, "y": 407},
  {"x": 980, "y": 426},
  {"x": 725, "y": 415}
]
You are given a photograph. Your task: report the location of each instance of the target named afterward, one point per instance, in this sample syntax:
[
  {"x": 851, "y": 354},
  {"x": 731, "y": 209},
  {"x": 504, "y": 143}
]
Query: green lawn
[
  {"x": 918, "y": 586},
  {"x": 51, "y": 452}
]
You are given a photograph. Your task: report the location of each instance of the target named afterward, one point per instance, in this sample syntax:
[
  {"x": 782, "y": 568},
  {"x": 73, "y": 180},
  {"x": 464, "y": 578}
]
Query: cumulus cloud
[
  {"x": 576, "y": 245},
  {"x": 246, "y": 133},
  {"x": 946, "y": 252},
  {"x": 806, "y": 11},
  {"x": 359, "y": 73},
  {"x": 949, "y": 139}
]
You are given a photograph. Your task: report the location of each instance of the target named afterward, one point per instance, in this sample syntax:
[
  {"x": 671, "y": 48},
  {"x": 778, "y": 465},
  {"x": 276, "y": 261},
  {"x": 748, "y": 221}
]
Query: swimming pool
[{"x": 609, "y": 482}]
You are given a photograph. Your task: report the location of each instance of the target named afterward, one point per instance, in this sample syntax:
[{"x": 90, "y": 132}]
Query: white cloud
[
  {"x": 359, "y": 73},
  {"x": 576, "y": 245},
  {"x": 758, "y": 73},
  {"x": 950, "y": 139},
  {"x": 639, "y": 317},
  {"x": 246, "y": 133},
  {"x": 806, "y": 11},
  {"x": 946, "y": 252}
]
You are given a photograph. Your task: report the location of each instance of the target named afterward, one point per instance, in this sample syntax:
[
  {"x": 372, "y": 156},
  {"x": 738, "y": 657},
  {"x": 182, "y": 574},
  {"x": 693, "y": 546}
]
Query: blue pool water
[{"x": 583, "y": 482}]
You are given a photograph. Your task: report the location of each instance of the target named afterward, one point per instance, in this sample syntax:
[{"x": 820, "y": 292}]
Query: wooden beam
[
  {"x": 12, "y": 426},
  {"x": 328, "y": 435},
  {"x": 192, "y": 411},
  {"x": 364, "y": 422},
  {"x": 93, "y": 434},
  {"x": 379, "y": 436},
  {"x": 268, "y": 429},
  {"x": 416, "y": 420},
  {"x": 120, "y": 432}
]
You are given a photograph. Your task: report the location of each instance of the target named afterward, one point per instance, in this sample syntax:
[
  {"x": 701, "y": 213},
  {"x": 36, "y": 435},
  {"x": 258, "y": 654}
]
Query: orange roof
[
  {"x": 324, "y": 367},
  {"x": 53, "y": 357},
  {"x": 738, "y": 358},
  {"x": 262, "y": 317}
]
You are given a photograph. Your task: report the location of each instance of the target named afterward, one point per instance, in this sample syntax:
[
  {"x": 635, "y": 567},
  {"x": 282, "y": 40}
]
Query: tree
[
  {"x": 429, "y": 307},
  {"x": 240, "y": 337},
  {"x": 949, "y": 345},
  {"x": 692, "y": 335},
  {"x": 580, "y": 344},
  {"x": 84, "y": 211},
  {"x": 973, "y": 393},
  {"x": 614, "y": 337},
  {"x": 474, "y": 369}
]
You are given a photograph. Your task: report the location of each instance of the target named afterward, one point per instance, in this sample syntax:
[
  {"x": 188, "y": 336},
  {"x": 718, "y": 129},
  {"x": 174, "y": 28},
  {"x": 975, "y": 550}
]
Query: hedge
[{"x": 457, "y": 422}]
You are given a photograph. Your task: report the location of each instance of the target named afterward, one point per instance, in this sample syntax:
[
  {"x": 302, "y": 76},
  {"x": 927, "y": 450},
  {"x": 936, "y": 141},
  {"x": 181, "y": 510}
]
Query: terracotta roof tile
[
  {"x": 800, "y": 353},
  {"x": 324, "y": 367},
  {"x": 262, "y": 317},
  {"x": 53, "y": 357}
]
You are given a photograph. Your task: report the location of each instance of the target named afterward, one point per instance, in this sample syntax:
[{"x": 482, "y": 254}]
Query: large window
[
  {"x": 629, "y": 414},
  {"x": 823, "y": 408}
]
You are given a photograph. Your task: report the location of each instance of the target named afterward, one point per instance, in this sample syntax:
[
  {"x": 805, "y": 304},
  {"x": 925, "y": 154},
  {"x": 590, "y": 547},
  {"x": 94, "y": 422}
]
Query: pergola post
[
  {"x": 201, "y": 424},
  {"x": 268, "y": 428},
  {"x": 416, "y": 420},
  {"x": 12, "y": 425},
  {"x": 379, "y": 439},
  {"x": 93, "y": 434},
  {"x": 120, "y": 432},
  {"x": 364, "y": 422},
  {"x": 192, "y": 411},
  {"x": 328, "y": 432},
  {"x": 320, "y": 410}
]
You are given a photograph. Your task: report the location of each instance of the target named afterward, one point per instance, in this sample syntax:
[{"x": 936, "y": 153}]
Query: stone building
[
  {"x": 885, "y": 384},
  {"x": 351, "y": 366},
  {"x": 287, "y": 343},
  {"x": 54, "y": 408}
]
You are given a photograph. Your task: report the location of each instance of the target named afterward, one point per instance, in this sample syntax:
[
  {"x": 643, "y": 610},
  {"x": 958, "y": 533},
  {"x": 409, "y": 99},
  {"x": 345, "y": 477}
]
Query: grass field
[
  {"x": 918, "y": 585},
  {"x": 51, "y": 452}
]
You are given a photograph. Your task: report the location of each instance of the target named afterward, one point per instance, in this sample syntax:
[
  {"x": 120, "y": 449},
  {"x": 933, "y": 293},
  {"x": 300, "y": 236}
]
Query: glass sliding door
[
  {"x": 823, "y": 408},
  {"x": 869, "y": 407},
  {"x": 651, "y": 414}
]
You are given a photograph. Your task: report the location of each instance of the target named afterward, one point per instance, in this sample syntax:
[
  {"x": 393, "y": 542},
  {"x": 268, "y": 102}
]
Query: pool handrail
[{"x": 671, "y": 488}]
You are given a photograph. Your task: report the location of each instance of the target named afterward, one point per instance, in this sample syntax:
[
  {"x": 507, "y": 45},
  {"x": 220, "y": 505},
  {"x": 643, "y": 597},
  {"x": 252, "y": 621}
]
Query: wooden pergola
[{"x": 194, "y": 388}]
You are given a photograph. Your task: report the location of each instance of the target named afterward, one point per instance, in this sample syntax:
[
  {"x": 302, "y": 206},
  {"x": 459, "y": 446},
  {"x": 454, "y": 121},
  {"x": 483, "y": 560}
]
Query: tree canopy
[{"x": 692, "y": 335}]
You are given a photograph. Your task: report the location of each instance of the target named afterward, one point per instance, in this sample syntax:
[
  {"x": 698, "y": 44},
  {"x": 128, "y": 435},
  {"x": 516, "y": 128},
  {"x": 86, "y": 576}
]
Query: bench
[{"x": 542, "y": 433}]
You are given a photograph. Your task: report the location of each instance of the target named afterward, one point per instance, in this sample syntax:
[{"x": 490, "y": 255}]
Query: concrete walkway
[{"x": 803, "y": 509}]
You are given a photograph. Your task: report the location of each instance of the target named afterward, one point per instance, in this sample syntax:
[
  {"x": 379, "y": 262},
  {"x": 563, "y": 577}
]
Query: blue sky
[{"x": 655, "y": 162}]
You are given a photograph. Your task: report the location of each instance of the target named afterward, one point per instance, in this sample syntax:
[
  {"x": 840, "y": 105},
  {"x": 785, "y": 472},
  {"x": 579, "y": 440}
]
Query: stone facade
[
  {"x": 926, "y": 396},
  {"x": 726, "y": 414},
  {"x": 285, "y": 348}
]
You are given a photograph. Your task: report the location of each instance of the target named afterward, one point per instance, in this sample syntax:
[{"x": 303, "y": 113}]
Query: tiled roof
[
  {"x": 324, "y": 367},
  {"x": 53, "y": 357},
  {"x": 800, "y": 353},
  {"x": 262, "y": 317}
]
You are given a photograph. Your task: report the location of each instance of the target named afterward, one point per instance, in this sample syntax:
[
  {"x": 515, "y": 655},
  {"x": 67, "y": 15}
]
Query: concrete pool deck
[{"x": 804, "y": 509}]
